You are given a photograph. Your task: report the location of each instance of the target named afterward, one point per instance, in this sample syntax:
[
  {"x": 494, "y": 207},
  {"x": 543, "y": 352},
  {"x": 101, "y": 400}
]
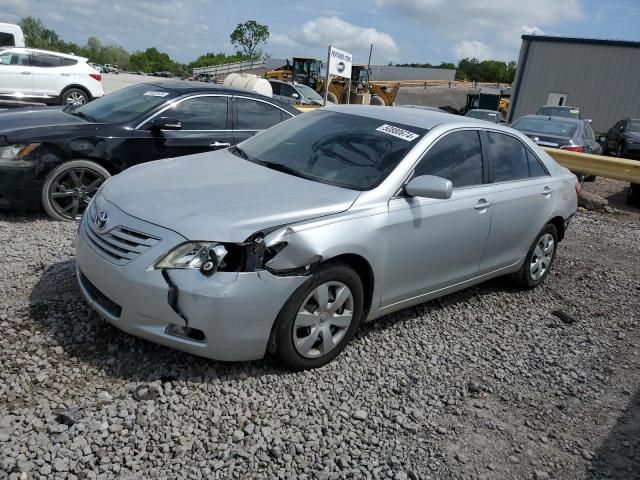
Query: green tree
[
  {"x": 37, "y": 36},
  {"x": 248, "y": 36}
]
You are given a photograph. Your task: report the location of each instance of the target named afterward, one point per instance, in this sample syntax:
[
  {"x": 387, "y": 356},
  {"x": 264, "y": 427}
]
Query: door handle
[
  {"x": 65, "y": 74},
  {"x": 482, "y": 204},
  {"x": 220, "y": 144},
  {"x": 25, "y": 73},
  {"x": 546, "y": 191}
]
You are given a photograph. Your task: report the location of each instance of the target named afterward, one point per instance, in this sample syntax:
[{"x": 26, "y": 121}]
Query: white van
[{"x": 11, "y": 35}]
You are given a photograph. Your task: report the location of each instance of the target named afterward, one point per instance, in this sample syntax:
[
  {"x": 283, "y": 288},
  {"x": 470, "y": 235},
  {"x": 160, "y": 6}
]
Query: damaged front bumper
[{"x": 231, "y": 313}]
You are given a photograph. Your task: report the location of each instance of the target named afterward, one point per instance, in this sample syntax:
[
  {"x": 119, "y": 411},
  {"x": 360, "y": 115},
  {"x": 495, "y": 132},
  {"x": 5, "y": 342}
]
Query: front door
[
  {"x": 433, "y": 244},
  {"x": 16, "y": 77},
  {"x": 205, "y": 127}
]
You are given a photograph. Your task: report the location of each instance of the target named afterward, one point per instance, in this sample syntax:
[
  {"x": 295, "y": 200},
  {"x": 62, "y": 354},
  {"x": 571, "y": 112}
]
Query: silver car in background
[{"x": 288, "y": 241}]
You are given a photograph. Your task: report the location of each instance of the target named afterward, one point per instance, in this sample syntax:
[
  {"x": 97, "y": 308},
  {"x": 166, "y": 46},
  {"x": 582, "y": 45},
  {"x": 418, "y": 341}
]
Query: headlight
[
  {"x": 17, "y": 152},
  {"x": 204, "y": 256}
]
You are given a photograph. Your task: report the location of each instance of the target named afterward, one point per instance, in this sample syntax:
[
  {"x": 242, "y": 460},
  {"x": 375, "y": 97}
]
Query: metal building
[{"x": 600, "y": 77}]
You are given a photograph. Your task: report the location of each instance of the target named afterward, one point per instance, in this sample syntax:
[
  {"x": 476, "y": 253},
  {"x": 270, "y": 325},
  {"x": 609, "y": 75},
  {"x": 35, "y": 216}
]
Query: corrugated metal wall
[{"x": 603, "y": 80}]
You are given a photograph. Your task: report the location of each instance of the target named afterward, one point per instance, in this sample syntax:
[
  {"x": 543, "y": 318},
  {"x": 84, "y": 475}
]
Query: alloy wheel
[
  {"x": 542, "y": 256},
  {"x": 76, "y": 98},
  {"x": 323, "y": 319},
  {"x": 72, "y": 190}
]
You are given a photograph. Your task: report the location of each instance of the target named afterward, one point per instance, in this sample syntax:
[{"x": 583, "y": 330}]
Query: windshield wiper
[{"x": 73, "y": 111}]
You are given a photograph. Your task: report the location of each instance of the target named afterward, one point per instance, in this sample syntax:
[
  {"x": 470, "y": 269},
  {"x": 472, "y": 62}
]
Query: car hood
[
  {"x": 219, "y": 196},
  {"x": 16, "y": 122},
  {"x": 633, "y": 136}
]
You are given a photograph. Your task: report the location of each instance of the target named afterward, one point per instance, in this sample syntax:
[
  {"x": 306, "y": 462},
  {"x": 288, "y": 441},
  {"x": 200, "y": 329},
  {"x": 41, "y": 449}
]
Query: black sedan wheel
[{"x": 70, "y": 187}]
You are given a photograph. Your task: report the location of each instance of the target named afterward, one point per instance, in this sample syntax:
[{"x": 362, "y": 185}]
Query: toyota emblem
[{"x": 101, "y": 220}]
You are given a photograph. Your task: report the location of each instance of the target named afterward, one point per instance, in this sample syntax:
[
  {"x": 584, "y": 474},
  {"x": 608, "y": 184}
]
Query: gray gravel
[{"x": 483, "y": 384}]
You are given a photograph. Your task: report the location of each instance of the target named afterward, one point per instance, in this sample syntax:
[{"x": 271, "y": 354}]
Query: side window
[
  {"x": 255, "y": 115},
  {"x": 456, "y": 157},
  {"x": 44, "y": 60},
  {"x": 275, "y": 86},
  {"x": 14, "y": 58},
  {"x": 536, "y": 169},
  {"x": 67, "y": 62},
  {"x": 508, "y": 158},
  {"x": 7, "y": 40},
  {"x": 287, "y": 90},
  {"x": 201, "y": 113}
]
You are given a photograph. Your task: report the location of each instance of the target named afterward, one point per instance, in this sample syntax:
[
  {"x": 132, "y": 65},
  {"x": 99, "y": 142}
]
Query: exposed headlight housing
[
  {"x": 204, "y": 256},
  {"x": 17, "y": 152}
]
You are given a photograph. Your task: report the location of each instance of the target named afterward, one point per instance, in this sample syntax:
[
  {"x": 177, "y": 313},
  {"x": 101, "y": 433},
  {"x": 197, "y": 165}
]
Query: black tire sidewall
[
  {"x": 526, "y": 277},
  {"x": 46, "y": 186},
  {"x": 282, "y": 342}
]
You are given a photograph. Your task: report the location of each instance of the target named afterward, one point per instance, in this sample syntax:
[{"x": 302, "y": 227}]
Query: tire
[
  {"x": 69, "y": 187},
  {"x": 633, "y": 195},
  {"x": 332, "y": 97},
  {"x": 529, "y": 278},
  {"x": 377, "y": 100},
  {"x": 74, "y": 96},
  {"x": 297, "y": 338}
]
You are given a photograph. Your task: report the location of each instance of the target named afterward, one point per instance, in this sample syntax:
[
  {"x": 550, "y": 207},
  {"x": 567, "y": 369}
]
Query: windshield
[
  {"x": 489, "y": 116},
  {"x": 309, "y": 92},
  {"x": 339, "y": 149},
  {"x": 548, "y": 127},
  {"x": 634, "y": 127},
  {"x": 560, "y": 112},
  {"x": 124, "y": 105}
]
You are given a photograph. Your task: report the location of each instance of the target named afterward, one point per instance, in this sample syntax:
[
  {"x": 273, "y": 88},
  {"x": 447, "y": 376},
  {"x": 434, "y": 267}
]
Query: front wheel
[
  {"x": 319, "y": 319},
  {"x": 377, "y": 100},
  {"x": 69, "y": 188},
  {"x": 333, "y": 98},
  {"x": 539, "y": 259}
]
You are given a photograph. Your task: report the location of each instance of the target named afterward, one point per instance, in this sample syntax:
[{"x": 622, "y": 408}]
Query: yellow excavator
[{"x": 307, "y": 71}]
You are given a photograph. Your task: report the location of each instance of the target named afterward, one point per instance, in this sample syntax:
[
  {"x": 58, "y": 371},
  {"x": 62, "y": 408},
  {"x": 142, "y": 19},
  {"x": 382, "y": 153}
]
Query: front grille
[
  {"x": 100, "y": 298},
  {"x": 119, "y": 245}
]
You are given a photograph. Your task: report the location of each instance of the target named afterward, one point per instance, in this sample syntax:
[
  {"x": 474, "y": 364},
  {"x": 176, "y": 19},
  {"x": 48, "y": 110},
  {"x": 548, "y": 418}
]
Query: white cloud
[
  {"x": 487, "y": 27},
  {"x": 472, "y": 49},
  {"x": 325, "y": 31}
]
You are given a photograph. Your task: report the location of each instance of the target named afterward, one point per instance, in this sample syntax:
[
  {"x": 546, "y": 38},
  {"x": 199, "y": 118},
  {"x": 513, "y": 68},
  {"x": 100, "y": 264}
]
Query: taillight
[
  {"x": 96, "y": 76},
  {"x": 572, "y": 148}
]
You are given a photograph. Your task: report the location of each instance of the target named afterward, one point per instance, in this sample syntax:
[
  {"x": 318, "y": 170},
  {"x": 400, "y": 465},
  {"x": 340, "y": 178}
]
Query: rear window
[
  {"x": 560, "y": 112},
  {"x": 338, "y": 149},
  {"x": 548, "y": 127}
]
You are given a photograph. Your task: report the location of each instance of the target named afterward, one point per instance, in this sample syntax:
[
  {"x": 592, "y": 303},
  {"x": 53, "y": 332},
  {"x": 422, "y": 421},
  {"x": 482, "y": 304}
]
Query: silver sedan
[{"x": 287, "y": 242}]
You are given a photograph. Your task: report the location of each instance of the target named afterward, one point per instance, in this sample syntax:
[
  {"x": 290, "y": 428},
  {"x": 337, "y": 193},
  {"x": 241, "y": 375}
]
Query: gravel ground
[{"x": 483, "y": 384}]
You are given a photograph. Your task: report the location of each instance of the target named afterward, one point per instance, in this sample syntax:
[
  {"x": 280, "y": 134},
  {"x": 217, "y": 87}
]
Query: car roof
[
  {"x": 416, "y": 117},
  {"x": 576, "y": 121},
  {"x": 48, "y": 52},
  {"x": 182, "y": 87}
]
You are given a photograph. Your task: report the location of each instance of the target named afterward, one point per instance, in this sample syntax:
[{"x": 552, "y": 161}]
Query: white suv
[{"x": 52, "y": 77}]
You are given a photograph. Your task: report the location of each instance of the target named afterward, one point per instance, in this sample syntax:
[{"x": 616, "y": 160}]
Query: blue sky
[{"x": 401, "y": 30}]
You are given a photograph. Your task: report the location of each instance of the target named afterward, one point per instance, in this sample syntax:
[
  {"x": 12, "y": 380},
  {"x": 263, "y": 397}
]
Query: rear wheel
[
  {"x": 319, "y": 319},
  {"x": 378, "y": 100},
  {"x": 539, "y": 259},
  {"x": 69, "y": 188},
  {"x": 74, "y": 97}
]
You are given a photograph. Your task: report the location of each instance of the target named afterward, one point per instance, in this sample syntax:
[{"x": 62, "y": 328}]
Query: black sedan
[
  {"x": 623, "y": 138},
  {"x": 56, "y": 158},
  {"x": 559, "y": 132}
]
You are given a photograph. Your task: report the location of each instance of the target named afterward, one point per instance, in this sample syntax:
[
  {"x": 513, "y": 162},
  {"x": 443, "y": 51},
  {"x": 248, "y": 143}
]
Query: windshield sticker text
[{"x": 397, "y": 132}]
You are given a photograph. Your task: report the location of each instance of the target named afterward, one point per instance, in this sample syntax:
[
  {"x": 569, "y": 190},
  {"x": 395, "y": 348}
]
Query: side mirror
[
  {"x": 429, "y": 186},
  {"x": 166, "y": 123},
  {"x": 295, "y": 95}
]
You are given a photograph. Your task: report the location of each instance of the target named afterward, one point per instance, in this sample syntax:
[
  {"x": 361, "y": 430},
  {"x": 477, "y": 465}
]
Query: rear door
[
  {"x": 252, "y": 115},
  {"x": 205, "y": 122},
  {"x": 16, "y": 77},
  {"x": 50, "y": 76},
  {"x": 523, "y": 198}
]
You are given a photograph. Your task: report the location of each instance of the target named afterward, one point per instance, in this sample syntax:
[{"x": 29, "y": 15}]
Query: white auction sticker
[
  {"x": 155, "y": 94},
  {"x": 397, "y": 132}
]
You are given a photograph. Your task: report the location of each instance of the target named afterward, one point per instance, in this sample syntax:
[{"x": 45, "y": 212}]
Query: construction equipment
[{"x": 363, "y": 90}]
